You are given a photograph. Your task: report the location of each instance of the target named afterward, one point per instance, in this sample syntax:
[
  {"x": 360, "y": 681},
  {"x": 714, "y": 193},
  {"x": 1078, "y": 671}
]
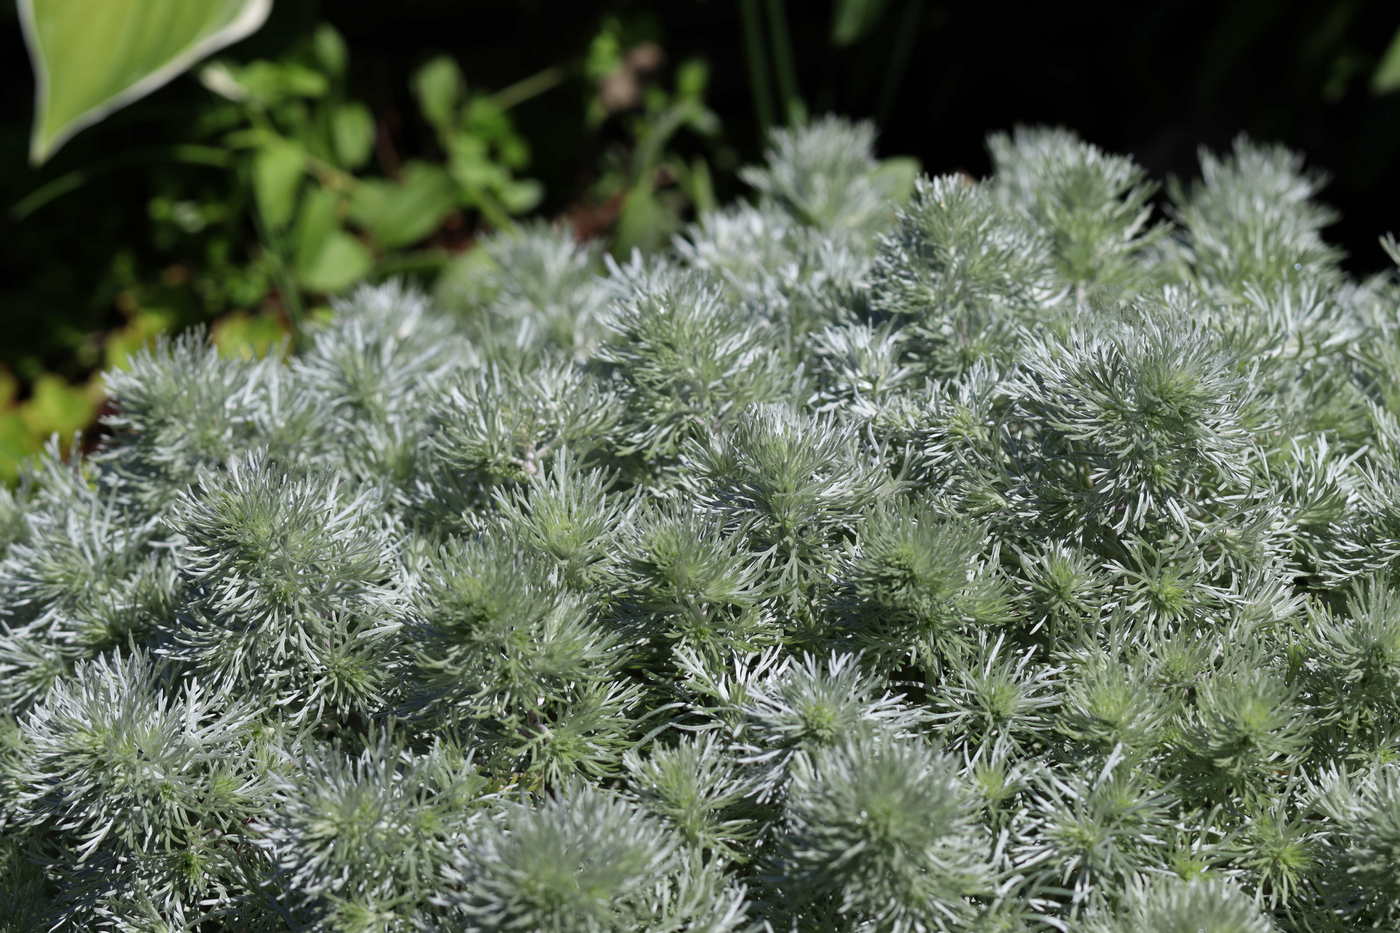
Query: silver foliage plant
[{"x": 891, "y": 555}]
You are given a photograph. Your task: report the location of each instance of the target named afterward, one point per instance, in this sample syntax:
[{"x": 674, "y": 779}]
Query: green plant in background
[
  {"x": 654, "y": 186},
  {"x": 89, "y": 61},
  {"x": 325, "y": 220},
  {"x": 479, "y": 141},
  {"x": 304, "y": 193},
  {"x": 294, "y": 153}
]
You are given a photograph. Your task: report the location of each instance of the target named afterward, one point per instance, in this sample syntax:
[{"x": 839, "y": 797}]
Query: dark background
[{"x": 1157, "y": 82}]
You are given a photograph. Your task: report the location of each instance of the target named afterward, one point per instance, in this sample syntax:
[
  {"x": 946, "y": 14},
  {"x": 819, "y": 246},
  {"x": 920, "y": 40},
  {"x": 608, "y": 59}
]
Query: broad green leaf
[
  {"x": 469, "y": 160},
  {"x": 327, "y": 258},
  {"x": 329, "y": 49},
  {"x": 56, "y": 407},
  {"x": 403, "y": 213},
  {"x": 318, "y": 219},
  {"x": 277, "y": 169},
  {"x": 1387, "y": 76},
  {"x": 141, "y": 331},
  {"x": 521, "y": 194},
  {"x": 438, "y": 87},
  {"x": 341, "y": 261},
  {"x": 468, "y": 281},
  {"x": 896, "y": 175},
  {"x": 92, "y": 57},
  {"x": 644, "y": 222},
  {"x": 244, "y": 336},
  {"x": 352, "y": 131}
]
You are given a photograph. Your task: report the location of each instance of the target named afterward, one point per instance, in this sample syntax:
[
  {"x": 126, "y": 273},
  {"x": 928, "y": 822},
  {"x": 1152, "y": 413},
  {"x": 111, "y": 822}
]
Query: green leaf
[
  {"x": 329, "y": 49},
  {"x": 352, "y": 131},
  {"x": 469, "y": 160},
  {"x": 92, "y": 57},
  {"x": 438, "y": 87},
  {"x": 699, "y": 186},
  {"x": 17, "y": 443},
  {"x": 852, "y": 19},
  {"x": 244, "y": 336},
  {"x": 56, "y": 407},
  {"x": 141, "y": 331},
  {"x": 403, "y": 213},
  {"x": 521, "y": 194},
  {"x": 319, "y": 218},
  {"x": 692, "y": 77},
  {"x": 277, "y": 169},
  {"x": 267, "y": 83},
  {"x": 327, "y": 258},
  {"x": 263, "y": 82},
  {"x": 341, "y": 261},
  {"x": 1387, "y": 76},
  {"x": 467, "y": 279},
  {"x": 896, "y": 176},
  {"x": 644, "y": 222}
]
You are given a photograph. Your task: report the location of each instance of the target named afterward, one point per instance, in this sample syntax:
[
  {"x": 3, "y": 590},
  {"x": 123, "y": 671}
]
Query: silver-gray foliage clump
[{"x": 891, "y": 555}]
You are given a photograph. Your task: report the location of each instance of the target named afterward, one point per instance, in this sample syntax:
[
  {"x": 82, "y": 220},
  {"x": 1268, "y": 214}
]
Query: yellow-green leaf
[
  {"x": 341, "y": 261},
  {"x": 244, "y": 336},
  {"x": 92, "y": 57},
  {"x": 397, "y": 214},
  {"x": 318, "y": 219},
  {"x": 56, "y": 407},
  {"x": 277, "y": 169},
  {"x": 329, "y": 49},
  {"x": 352, "y": 132},
  {"x": 1387, "y": 76},
  {"x": 896, "y": 176},
  {"x": 326, "y": 257},
  {"x": 438, "y": 87},
  {"x": 17, "y": 443}
]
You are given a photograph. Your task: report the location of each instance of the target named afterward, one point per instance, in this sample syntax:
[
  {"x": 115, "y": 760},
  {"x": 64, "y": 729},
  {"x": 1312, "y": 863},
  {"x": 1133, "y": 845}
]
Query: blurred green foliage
[
  {"x": 303, "y": 147},
  {"x": 313, "y": 195},
  {"x": 653, "y": 184}
]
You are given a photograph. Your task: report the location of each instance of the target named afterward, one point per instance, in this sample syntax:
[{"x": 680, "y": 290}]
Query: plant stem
[
  {"x": 287, "y": 286},
  {"x": 758, "y": 65},
  {"x": 783, "y": 60},
  {"x": 493, "y": 210},
  {"x": 899, "y": 58},
  {"x": 424, "y": 260},
  {"x": 533, "y": 86},
  {"x": 188, "y": 154}
]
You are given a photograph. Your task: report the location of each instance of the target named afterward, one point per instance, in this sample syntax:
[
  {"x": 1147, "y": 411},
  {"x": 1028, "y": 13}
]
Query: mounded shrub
[{"x": 993, "y": 555}]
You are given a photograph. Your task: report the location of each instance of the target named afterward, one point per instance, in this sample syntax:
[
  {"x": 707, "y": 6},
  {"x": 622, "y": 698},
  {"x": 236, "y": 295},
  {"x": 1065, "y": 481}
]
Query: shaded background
[
  {"x": 935, "y": 76},
  {"x": 1157, "y": 83}
]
